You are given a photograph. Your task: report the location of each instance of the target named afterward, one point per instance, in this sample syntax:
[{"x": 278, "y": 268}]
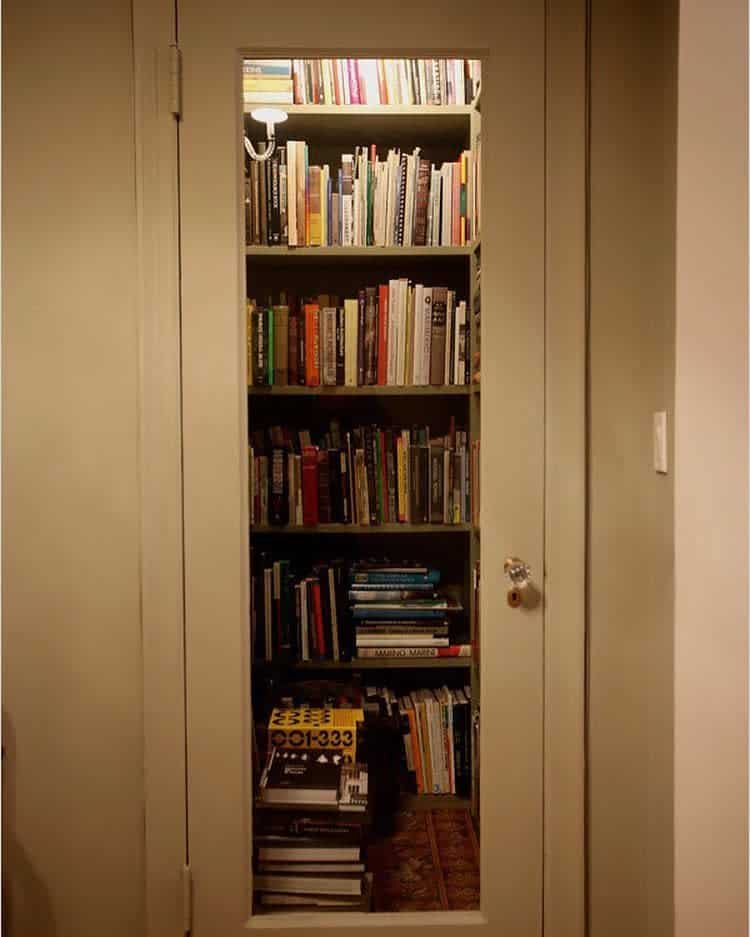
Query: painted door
[{"x": 509, "y": 38}]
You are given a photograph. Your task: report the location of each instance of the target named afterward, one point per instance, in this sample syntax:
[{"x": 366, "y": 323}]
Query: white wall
[
  {"x": 711, "y": 474},
  {"x": 72, "y": 691}
]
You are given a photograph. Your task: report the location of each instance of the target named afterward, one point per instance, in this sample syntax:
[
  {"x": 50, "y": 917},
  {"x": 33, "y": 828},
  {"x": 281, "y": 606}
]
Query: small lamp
[{"x": 270, "y": 116}]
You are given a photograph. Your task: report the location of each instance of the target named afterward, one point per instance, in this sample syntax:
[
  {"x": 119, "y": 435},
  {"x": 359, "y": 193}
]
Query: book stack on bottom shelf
[
  {"x": 398, "y": 612},
  {"x": 310, "y": 829}
]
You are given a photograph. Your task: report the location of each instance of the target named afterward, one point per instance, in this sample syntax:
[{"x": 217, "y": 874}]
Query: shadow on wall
[{"x": 26, "y": 905}]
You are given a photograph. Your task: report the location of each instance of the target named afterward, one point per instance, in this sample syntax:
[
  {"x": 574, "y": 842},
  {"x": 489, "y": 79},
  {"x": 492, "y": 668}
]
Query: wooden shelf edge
[
  {"x": 364, "y": 529},
  {"x": 371, "y": 110},
  {"x": 264, "y": 250},
  {"x": 370, "y": 390},
  {"x": 370, "y": 663}
]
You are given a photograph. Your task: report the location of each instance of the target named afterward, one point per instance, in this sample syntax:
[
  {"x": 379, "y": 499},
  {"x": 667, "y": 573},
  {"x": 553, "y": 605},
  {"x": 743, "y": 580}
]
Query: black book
[
  {"x": 361, "y": 306},
  {"x": 419, "y": 475},
  {"x": 371, "y": 336},
  {"x": 401, "y": 200},
  {"x": 324, "y": 488},
  {"x": 461, "y": 744},
  {"x": 340, "y": 339},
  {"x": 301, "y": 345},
  {"x": 275, "y": 219},
  {"x": 334, "y": 486},
  {"x": 300, "y": 776},
  {"x": 346, "y": 505},
  {"x": 283, "y": 195},
  {"x": 436, "y": 484},
  {"x": 390, "y": 466},
  {"x": 278, "y": 509},
  {"x": 370, "y": 462},
  {"x": 259, "y": 325}
]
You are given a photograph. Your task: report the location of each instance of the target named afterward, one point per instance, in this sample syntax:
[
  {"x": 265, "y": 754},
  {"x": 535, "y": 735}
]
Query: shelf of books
[{"x": 363, "y": 266}]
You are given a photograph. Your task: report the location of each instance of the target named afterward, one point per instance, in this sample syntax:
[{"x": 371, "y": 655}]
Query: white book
[
  {"x": 426, "y": 336},
  {"x": 401, "y": 347},
  {"x": 368, "y": 70},
  {"x": 344, "y": 80},
  {"x": 418, "y": 328},
  {"x": 392, "y": 331},
  {"x": 407, "y": 640},
  {"x": 409, "y": 202},
  {"x": 351, "y": 324},
  {"x": 446, "y": 227},
  {"x": 291, "y": 189},
  {"x": 324, "y": 219},
  {"x": 448, "y": 343},
  {"x": 437, "y": 185},
  {"x": 347, "y": 203}
]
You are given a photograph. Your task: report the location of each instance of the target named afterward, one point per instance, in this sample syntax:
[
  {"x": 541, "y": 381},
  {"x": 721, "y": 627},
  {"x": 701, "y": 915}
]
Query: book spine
[
  {"x": 312, "y": 344},
  {"x": 371, "y": 337},
  {"x": 361, "y": 328},
  {"x": 324, "y": 490},
  {"x": 283, "y": 197},
  {"x": 371, "y": 480},
  {"x": 382, "y": 355},
  {"x": 310, "y": 486},
  {"x": 281, "y": 344},
  {"x": 293, "y": 348},
  {"x": 437, "y": 336},
  {"x": 436, "y": 484},
  {"x": 279, "y": 496},
  {"x": 320, "y": 640}
]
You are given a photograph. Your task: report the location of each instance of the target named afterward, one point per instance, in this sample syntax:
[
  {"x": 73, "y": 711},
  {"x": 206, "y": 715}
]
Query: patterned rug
[{"x": 429, "y": 863}]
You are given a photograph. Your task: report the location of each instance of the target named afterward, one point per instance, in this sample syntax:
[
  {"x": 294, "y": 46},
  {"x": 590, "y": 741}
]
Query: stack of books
[
  {"x": 369, "y": 475},
  {"x": 398, "y": 200},
  {"x": 267, "y": 81},
  {"x": 397, "y": 612},
  {"x": 435, "y": 726},
  {"x": 385, "y": 81},
  {"x": 309, "y": 832},
  {"x": 396, "y": 334}
]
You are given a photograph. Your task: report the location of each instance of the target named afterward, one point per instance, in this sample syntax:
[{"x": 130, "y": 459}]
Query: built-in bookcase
[{"x": 442, "y": 132}]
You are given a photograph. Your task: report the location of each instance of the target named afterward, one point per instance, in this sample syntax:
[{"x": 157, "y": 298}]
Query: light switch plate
[{"x": 661, "y": 462}]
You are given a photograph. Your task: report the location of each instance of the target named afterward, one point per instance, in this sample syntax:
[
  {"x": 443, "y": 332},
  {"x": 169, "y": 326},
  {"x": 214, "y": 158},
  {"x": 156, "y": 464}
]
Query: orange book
[
  {"x": 411, "y": 716},
  {"x": 383, "y": 334},
  {"x": 312, "y": 344}
]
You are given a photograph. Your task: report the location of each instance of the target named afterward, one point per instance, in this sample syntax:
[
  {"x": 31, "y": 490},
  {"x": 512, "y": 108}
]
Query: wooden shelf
[
  {"x": 369, "y": 663},
  {"x": 433, "y": 802},
  {"x": 285, "y": 254},
  {"x": 363, "y": 529},
  {"x": 371, "y": 110},
  {"x": 294, "y": 390}
]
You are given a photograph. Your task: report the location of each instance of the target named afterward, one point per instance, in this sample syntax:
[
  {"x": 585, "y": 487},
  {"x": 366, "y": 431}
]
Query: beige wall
[
  {"x": 633, "y": 159},
  {"x": 72, "y": 694},
  {"x": 711, "y": 651}
]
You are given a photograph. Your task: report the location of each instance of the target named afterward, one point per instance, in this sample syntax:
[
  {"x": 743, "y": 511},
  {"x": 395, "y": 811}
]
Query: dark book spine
[
  {"x": 324, "y": 490},
  {"x": 248, "y": 209},
  {"x": 257, "y": 205},
  {"x": 275, "y": 227},
  {"x": 391, "y": 474},
  {"x": 377, "y": 453},
  {"x": 371, "y": 336},
  {"x": 361, "y": 305},
  {"x": 279, "y": 506},
  {"x": 283, "y": 196},
  {"x": 401, "y": 200},
  {"x": 436, "y": 484},
  {"x": 423, "y": 189},
  {"x": 340, "y": 346},
  {"x": 293, "y": 366},
  {"x": 437, "y": 341},
  {"x": 419, "y": 475},
  {"x": 346, "y": 505},
  {"x": 334, "y": 485},
  {"x": 370, "y": 471}
]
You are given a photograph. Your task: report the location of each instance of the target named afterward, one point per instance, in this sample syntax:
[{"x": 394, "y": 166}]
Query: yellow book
[
  {"x": 315, "y": 209},
  {"x": 307, "y": 727}
]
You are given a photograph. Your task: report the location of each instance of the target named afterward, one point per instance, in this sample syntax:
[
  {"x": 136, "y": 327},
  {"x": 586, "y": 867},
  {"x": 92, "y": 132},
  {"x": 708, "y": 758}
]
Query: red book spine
[
  {"x": 351, "y": 67},
  {"x": 312, "y": 344},
  {"x": 318, "y": 612},
  {"x": 383, "y": 335},
  {"x": 360, "y": 84},
  {"x": 310, "y": 486},
  {"x": 454, "y": 650}
]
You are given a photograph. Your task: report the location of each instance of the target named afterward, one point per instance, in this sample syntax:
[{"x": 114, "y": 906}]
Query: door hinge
[
  {"x": 187, "y": 899},
  {"x": 175, "y": 81}
]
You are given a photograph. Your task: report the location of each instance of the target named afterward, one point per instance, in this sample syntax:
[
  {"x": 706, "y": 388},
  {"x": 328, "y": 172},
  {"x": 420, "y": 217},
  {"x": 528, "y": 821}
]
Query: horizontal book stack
[
  {"x": 397, "y": 612},
  {"x": 398, "y": 200},
  {"x": 385, "y": 81},
  {"x": 267, "y": 81},
  {"x": 435, "y": 727},
  {"x": 395, "y": 334},
  {"x": 309, "y": 835},
  {"x": 368, "y": 475}
]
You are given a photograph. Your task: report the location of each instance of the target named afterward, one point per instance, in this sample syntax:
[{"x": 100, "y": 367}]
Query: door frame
[{"x": 163, "y": 622}]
